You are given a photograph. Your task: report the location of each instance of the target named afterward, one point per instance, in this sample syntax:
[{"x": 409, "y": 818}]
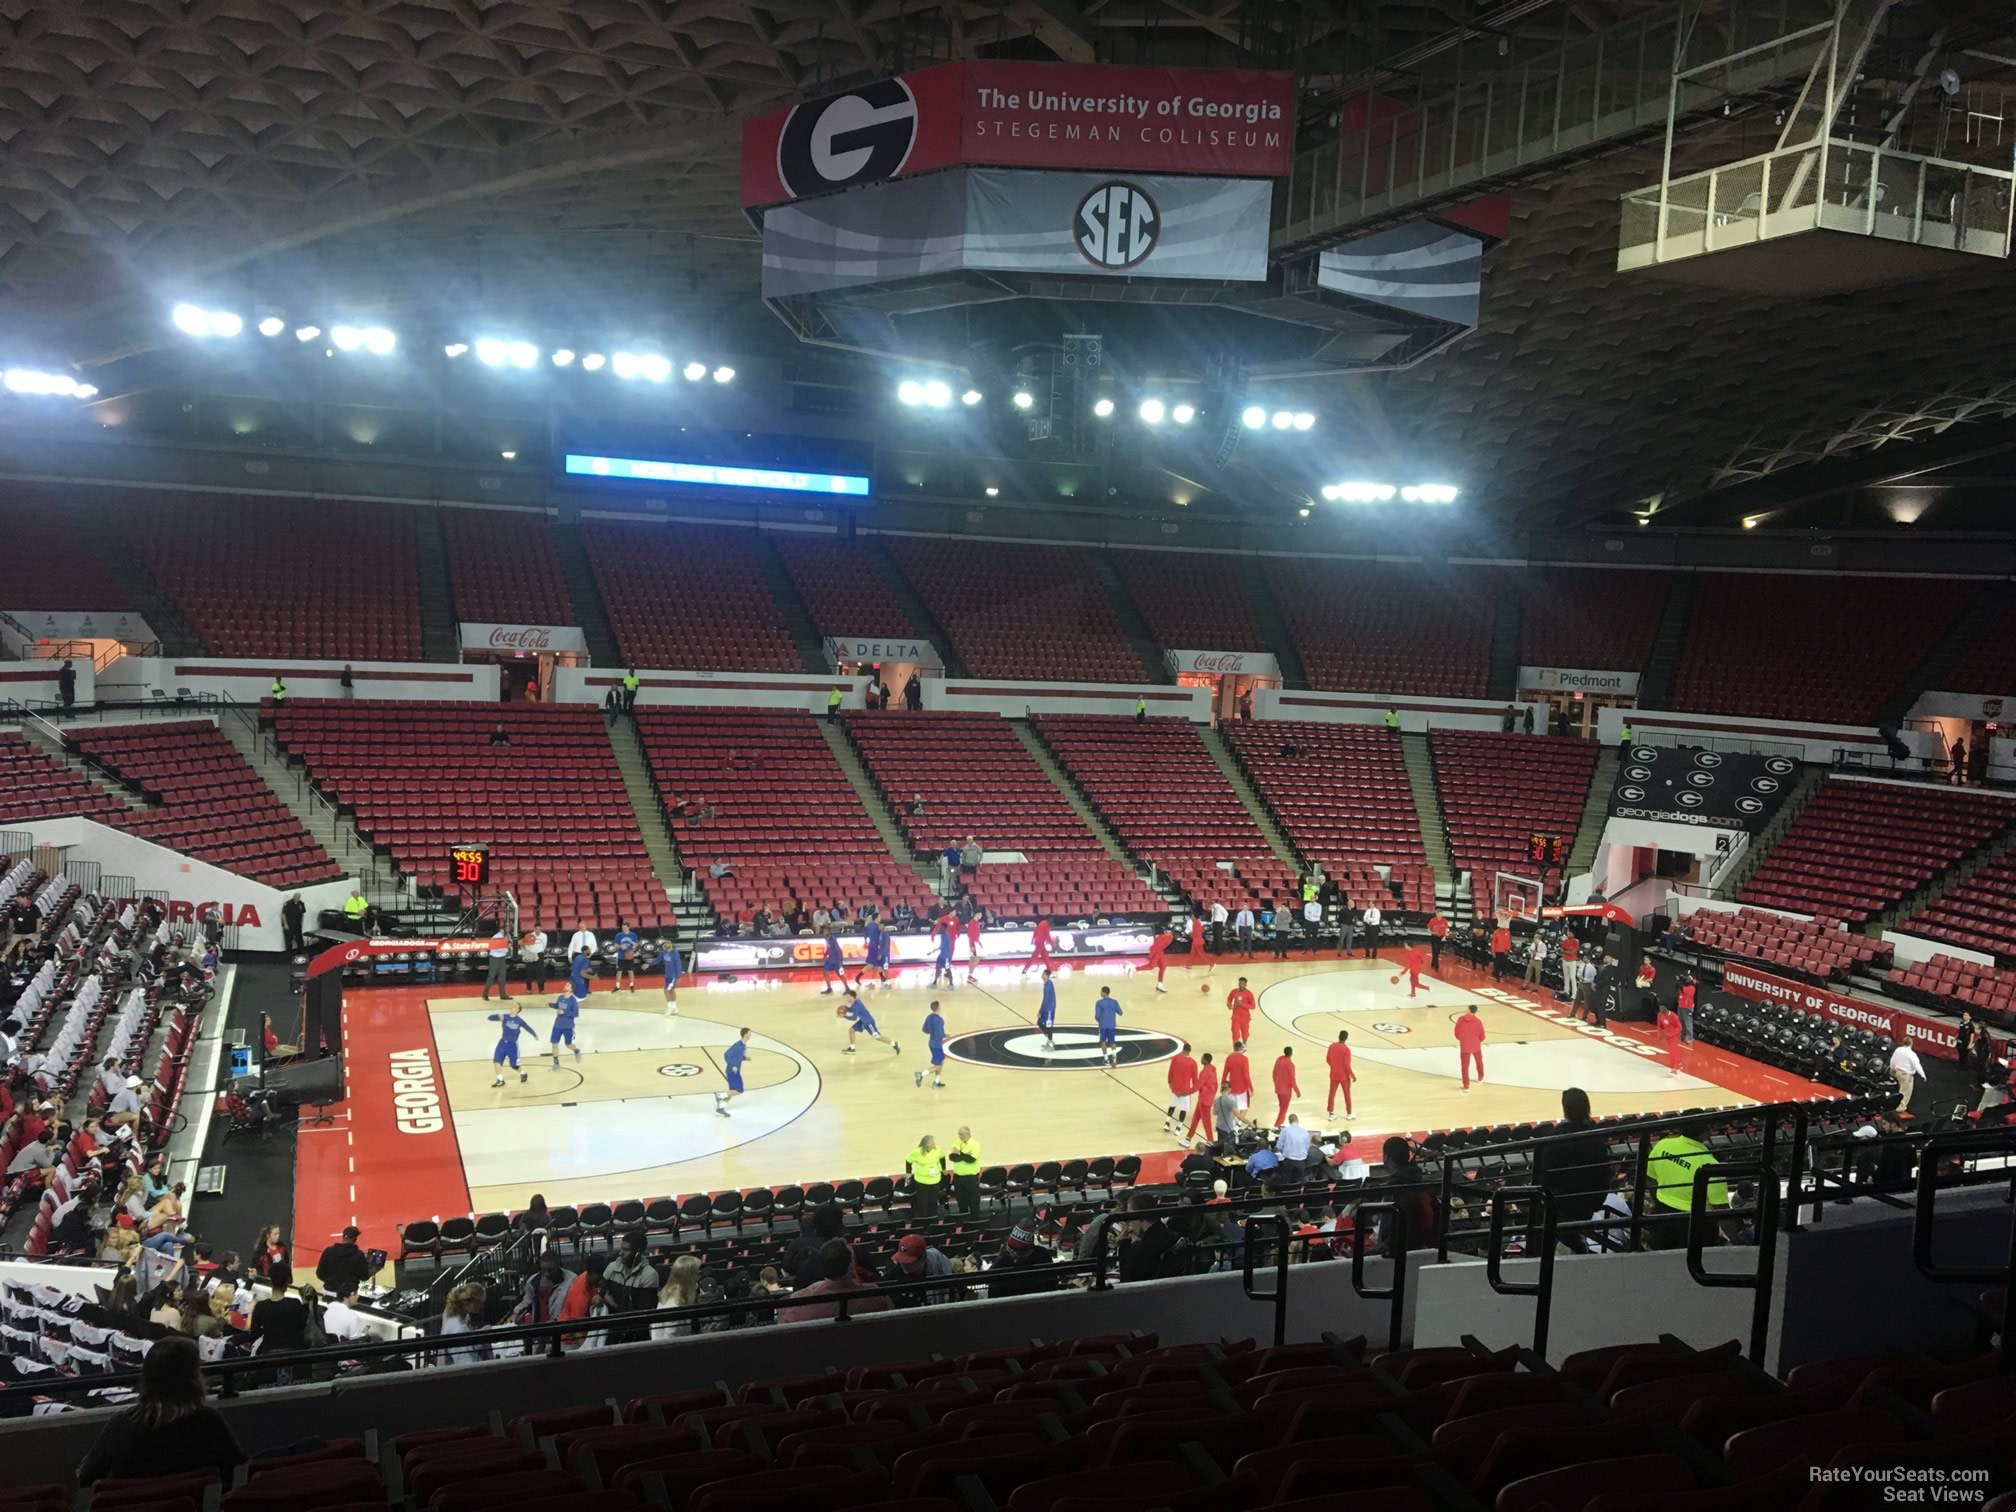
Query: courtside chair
[
  {"x": 1049, "y": 1177},
  {"x": 563, "y": 1226},
  {"x": 851, "y": 1194},
  {"x": 697, "y": 1211},
  {"x": 1076, "y": 1175},
  {"x": 1021, "y": 1181},
  {"x": 994, "y": 1184},
  {"x": 881, "y": 1191},
  {"x": 491, "y": 1229},
  {"x": 727, "y": 1206},
  {"x": 789, "y": 1203},
  {"x": 421, "y": 1237},
  {"x": 1101, "y": 1172},
  {"x": 598, "y": 1221},
  {"x": 759, "y": 1203},
  {"x": 458, "y": 1237},
  {"x": 818, "y": 1194},
  {"x": 629, "y": 1215},
  {"x": 661, "y": 1215},
  {"x": 1127, "y": 1170}
]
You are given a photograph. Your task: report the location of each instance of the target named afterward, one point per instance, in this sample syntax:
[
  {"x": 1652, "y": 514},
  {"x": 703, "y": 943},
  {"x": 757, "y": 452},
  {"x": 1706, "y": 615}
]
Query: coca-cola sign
[
  {"x": 523, "y": 640},
  {"x": 1224, "y": 663}
]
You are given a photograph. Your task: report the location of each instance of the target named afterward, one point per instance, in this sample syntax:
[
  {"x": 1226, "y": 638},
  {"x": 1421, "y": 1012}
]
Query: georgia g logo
[
  {"x": 845, "y": 139},
  {"x": 1116, "y": 226}
]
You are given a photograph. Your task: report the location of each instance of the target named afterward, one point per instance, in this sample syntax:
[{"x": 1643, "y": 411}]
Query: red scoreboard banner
[{"x": 1219, "y": 122}]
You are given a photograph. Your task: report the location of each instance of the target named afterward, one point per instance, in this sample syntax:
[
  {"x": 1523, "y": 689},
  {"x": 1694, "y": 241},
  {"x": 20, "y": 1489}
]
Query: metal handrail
[
  {"x": 1758, "y": 1281},
  {"x": 1542, "y": 1290},
  {"x": 1971, "y": 1140},
  {"x": 1279, "y": 1295},
  {"x": 1395, "y": 1294}
]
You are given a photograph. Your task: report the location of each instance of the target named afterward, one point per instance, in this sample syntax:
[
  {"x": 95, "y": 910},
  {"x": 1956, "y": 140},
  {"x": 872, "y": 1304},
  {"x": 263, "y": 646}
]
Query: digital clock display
[
  {"x": 1547, "y": 849},
  {"x": 469, "y": 865}
]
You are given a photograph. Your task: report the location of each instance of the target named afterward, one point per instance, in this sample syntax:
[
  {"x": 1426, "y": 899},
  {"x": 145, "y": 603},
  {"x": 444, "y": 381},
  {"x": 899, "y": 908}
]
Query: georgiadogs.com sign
[
  {"x": 1902, "y": 1027},
  {"x": 524, "y": 640}
]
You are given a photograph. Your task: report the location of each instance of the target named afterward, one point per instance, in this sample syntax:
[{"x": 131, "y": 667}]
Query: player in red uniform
[
  {"x": 1669, "y": 1030},
  {"x": 1438, "y": 931},
  {"x": 1411, "y": 964},
  {"x": 1182, "y": 1087},
  {"x": 1285, "y": 1086},
  {"x": 1039, "y": 947},
  {"x": 1501, "y": 953},
  {"x": 1207, "y": 1089},
  {"x": 1158, "y": 950},
  {"x": 1239, "y": 1076},
  {"x": 1341, "y": 1074},
  {"x": 1470, "y": 1044},
  {"x": 973, "y": 944},
  {"x": 1240, "y": 1001},
  {"x": 1198, "y": 951}
]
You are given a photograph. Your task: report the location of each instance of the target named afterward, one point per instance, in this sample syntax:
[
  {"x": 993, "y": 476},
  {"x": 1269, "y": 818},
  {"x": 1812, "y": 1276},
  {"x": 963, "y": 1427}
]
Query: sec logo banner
[{"x": 1117, "y": 226}]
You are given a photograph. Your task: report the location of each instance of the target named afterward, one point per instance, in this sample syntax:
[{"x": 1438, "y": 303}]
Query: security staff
[
  {"x": 1624, "y": 736},
  {"x": 356, "y": 910},
  {"x": 1140, "y": 707},
  {"x": 1392, "y": 719},
  {"x": 964, "y": 1159},
  {"x": 278, "y": 692},
  {"x": 630, "y": 686},
  {"x": 927, "y": 1178},
  {"x": 833, "y": 702}
]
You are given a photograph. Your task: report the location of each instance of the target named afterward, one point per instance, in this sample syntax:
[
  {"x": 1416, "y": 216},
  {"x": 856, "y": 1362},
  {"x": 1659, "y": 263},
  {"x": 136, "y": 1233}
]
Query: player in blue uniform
[
  {"x": 934, "y": 1032},
  {"x": 509, "y": 1027},
  {"x": 860, "y": 1021},
  {"x": 675, "y": 967},
  {"x": 946, "y": 935},
  {"x": 566, "y": 1008},
  {"x": 731, "y": 1067},
  {"x": 577, "y": 974},
  {"x": 1046, "y": 1015},
  {"x": 1107, "y": 1013},
  {"x": 878, "y": 952},
  {"x": 625, "y": 941},
  {"x": 834, "y": 966}
]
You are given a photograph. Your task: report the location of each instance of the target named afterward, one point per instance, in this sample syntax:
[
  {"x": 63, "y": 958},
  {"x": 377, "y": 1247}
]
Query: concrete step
[
  {"x": 1033, "y": 743},
  {"x": 335, "y": 833},
  {"x": 1273, "y": 624},
  {"x": 920, "y": 618},
  {"x": 1235, "y": 776},
  {"x": 1503, "y": 681},
  {"x": 1128, "y": 613},
  {"x": 440, "y": 632},
  {"x": 849, "y": 761},
  {"x": 1427, "y": 805},
  {"x": 586, "y": 597},
  {"x": 1595, "y": 812},
  {"x": 1655, "y": 688},
  {"x": 797, "y": 618},
  {"x": 666, "y": 865}
]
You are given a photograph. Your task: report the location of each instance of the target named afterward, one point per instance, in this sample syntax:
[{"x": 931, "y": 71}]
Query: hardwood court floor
[{"x": 425, "y": 1133}]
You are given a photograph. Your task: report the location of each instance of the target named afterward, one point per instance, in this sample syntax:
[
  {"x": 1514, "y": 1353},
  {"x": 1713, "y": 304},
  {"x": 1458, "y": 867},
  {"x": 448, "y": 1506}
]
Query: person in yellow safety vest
[
  {"x": 1392, "y": 719},
  {"x": 356, "y": 911},
  {"x": 964, "y": 1159},
  {"x": 833, "y": 702},
  {"x": 927, "y": 1178},
  {"x": 278, "y": 692},
  {"x": 1624, "y": 736},
  {"x": 1140, "y": 707},
  {"x": 1670, "y": 1177},
  {"x": 630, "y": 691}
]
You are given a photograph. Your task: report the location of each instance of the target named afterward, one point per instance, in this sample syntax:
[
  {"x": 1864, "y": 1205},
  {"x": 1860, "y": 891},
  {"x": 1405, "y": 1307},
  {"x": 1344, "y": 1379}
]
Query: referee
[{"x": 964, "y": 1160}]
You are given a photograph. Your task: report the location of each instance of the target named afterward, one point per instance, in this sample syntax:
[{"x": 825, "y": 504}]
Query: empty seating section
[
  {"x": 1829, "y": 649},
  {"x": 1020, "y": 611},
  {"x": 1591, "y": 617},
  {"x": 504, "y": 569},
  {"x": 1859, "y": 847},
  {"x": 1389, "y": 628},
  {"x": 284, "y": 577},
  {"x": 1955, "y": 984},
  {"x": 1806, "y": 947},
  {"x": 1160, "y": 792},
  {"x": 49, "y": 563},
  {"x": 1988, "y": 665},
  {"x": 785, "y": 817},
  {"x": 841, "y": 584},
  {"x": 206, "y": 801},
  {"x": 1497, "y": 790},
  {"x": 35, "y": 785},
  {"x": 419, "y": 777},
  {"x": 1338, "y": 791},
  {"x": 1192, "y": 600},
  {"x": 682, "y": 596},
  {"x": 977, "y": 779},
  {"x": 1977, "y": 914}
]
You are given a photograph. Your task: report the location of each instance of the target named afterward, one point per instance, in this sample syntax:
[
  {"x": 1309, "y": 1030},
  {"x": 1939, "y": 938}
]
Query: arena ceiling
[{"x": 528, "y": 158}]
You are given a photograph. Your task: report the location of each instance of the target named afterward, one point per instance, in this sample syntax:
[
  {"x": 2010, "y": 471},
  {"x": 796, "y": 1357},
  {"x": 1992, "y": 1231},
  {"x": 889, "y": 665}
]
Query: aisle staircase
[
  {"x": 440, "y": 631},
  {"x": 1502, "y": 684},
  {"x": 588, "y": 611},
  {"x": 695, "y": 916},
  {"x": 1930, "y": 674},
  {"x": 1273, "y": 625},
  {"x": 1762, "y": 843},
  {"x": 1428, "y": 806},
  {"x": 346, "y": 846},
  {"x": 121, "y": 563},
  {"x": 1655, "y": 688},
  {"x": 1235, "y": 777},
  {"x": 1595, "y": 813},
  {"x": 797, "y": 618},
  {"x": 921, "y": 619},
  {"x": 875, "y": 804},
  {"x": 1128, "y": 614}
]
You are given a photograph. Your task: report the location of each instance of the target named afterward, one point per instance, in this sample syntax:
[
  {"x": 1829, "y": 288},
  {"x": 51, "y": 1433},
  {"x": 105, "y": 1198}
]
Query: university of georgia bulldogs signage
[{"x": 524, "y": 640}]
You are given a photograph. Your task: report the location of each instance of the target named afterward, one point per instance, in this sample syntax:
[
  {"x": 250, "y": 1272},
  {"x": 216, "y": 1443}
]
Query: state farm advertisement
[
  {"x": 1220, "y": 122},
  {"x": 1925, "y": 1035}
]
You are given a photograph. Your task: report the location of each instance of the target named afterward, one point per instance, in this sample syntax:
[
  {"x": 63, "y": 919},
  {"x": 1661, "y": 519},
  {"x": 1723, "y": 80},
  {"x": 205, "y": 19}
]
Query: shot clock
[
  {"x": 1547, "y": 850},
  {"x": 469, "y": 865}
]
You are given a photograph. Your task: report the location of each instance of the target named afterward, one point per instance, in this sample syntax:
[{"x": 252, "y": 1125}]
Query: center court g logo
[
  {"x": 1022, "y": 1048},
  {"x": 846, "y": 139},
  {"x": 1116, "y": 226}
]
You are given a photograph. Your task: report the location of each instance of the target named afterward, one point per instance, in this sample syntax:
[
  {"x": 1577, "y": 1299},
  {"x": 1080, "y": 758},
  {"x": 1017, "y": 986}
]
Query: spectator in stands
[
  {"x": 913, "y": 693},
  {"x": 285, "y": 1323},
  {"x": 838, "y": 1277},
  {"x": 170, "y": 1430},
  {"x": 801, "y": 1261},
  {"x": 545, "y": 1289},
  {"x": 343, "y": 1266},
  {"x": 969, "y": 856},
  {"x": 1907, "y": 1071},
  {"x": 1529, "y": 719},
  {"x": 612, "y": 705},
  {"x": 272, "y": 1262},
  {"x": 630, "y": 1282},
  {"x": 340, "y": 1319},
  {"x": 1022, "y": 1268},
  {"x": 24, "y": 919},
  {"x": 872, "y": 692},
  {"x": 1149, "y": 1248},
  {"x": 1507, "y": 720},
  {"x": 500, "y": 736},
  {"x": 463, "y": 1314},
  {"x": 1574, "y": 1167},
  {"x": 1670, "y": 1168},
  {"x": 66, "y": 684},
  {"x": 916, "y": 1260},
  {"x": 1410, "y": 1194},
  {"x": 125, "y": 1108},
  {"x": 584, "y": 1299},
  {"x": 917, "y": 805},
  {"x": 681, "y": 1288}
]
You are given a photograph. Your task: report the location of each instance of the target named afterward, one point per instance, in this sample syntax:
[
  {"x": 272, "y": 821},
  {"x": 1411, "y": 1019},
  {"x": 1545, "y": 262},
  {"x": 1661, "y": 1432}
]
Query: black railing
[
  {"x": 1972, "y": 1141},
  {"x": 1765, "y": 1211},
  {"x": 1279, "y": 1295},
  {"x": 1394, "y": 1293},
  {"x": 1542, "y": 1289}
]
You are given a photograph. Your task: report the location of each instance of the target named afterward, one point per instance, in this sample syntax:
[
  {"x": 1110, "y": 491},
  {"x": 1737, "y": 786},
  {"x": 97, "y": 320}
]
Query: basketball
[
  {"x": 1393, "y": 981},
  {"x": 1205, "y": 989}
]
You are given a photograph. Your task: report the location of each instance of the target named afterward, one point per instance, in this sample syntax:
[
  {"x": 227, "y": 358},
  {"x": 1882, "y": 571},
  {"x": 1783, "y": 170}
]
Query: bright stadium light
[
  {"x": 594, "y": 362},
  {"x": 1304, "y": 420},
  {"x": 272, "y": 325},
  {"x": 379, "y": 342},
  {"x": 1183, "y": 414},
  {"x": 563, "y": 358},
  {"x": 224, "y": 323},
  {"x": 35, "y": 382},
  {"x": 1330, "y": 491},
  {"x": 1361, "y": 493},
  {"x": 971, "y": 397},
  {"x": 1253, "y": 417},
  {"x": 1024, "y": 399},
  {"x": 993, "y": 492},
  {"x": 910, "y": 392},
  {"x": 455, "y": 349},
  {"x": 1283, "y": 419},
  {"x": 695, "y": 371},
  {"x": 724, "y": 374},
  {"x": 626, "y": 365},
  {"x": 1103, "y": 408},
  {"x": 307, "y": 333},
  {"x": 656, "y": 368},
  {"x": 492, "y": 353},
  {"x": 1151, "y": 411},
  {"x": 938, "y": 394},
  {"x": 194, "y": 320},
  {"x": 1429, "y": 493},
  {"x": 346, "y": 338},
  {"x": 522, "y": 354}
]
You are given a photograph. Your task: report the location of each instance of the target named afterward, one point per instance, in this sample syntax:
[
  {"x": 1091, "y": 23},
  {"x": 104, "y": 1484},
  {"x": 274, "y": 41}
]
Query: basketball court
[{"x": 425, "y": 1133}]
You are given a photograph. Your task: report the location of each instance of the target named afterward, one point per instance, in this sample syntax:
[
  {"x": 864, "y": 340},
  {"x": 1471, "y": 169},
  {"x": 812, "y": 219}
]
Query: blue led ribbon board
[{"x": 712, "y": 475}]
